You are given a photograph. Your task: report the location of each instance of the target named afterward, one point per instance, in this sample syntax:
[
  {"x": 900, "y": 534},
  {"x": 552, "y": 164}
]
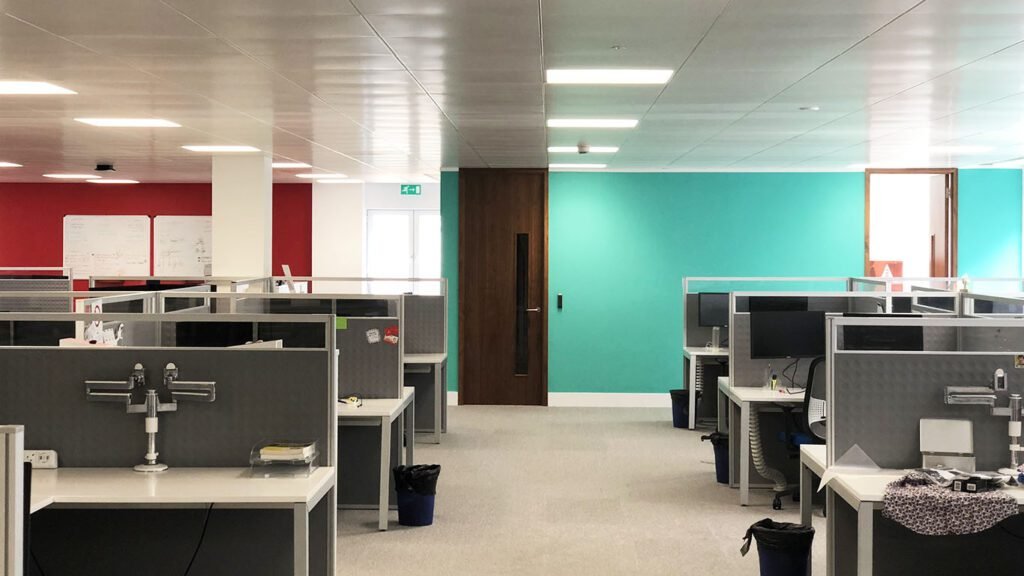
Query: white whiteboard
[
  {"x": 183, "y": 245},
  {"x": 106, "y": 245}
]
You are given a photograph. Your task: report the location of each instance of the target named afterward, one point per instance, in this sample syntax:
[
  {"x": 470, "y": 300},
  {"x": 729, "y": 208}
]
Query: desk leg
[
  {"x": 806, "y": 479},
  {"x": 865, "y": 538},
  {"x": 439, "y": 400},
  {"x": 300, "y": 539},
  {"x": 410, "y": 425},
  {"x": 691, "y": 387},
  {"x": 744, "y": 453},
  {"x": 385, "y": 472},
  {"x": 723, "y": 406}
]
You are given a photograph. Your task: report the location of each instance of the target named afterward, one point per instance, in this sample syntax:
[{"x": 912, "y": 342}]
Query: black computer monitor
[
  {"x": 777, "y": 304},
  {"x": 787, "y": 334},
  {"x": 212, "y": 334},
  {"x": 713, "y": 309},
  {"x": 362, "y": 308},
  {"x": 939, "y": 302},
  {"x": 910, "y": 338}
]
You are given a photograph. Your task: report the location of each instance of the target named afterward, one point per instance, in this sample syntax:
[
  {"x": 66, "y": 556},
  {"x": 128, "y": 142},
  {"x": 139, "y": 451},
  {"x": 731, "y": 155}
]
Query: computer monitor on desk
[
  {"x": 787, "y": 334},
  {"x": 777, "y": 304},
  {"x": 713, "y": 309},
  {"x": 910, "y": 338}
]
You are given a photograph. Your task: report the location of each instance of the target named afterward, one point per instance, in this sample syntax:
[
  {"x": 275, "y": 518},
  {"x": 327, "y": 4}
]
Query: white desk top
[
  {"x": 174, "y": 486},
  {"x": 758, "y": 394},
  {"x": 813, "y": 455},
  {"x": 694, "y": 351},
  {"x": 424, "y": 358},
  {"x": 858, "y": 488},
  {"x": 378, "y": 407}
]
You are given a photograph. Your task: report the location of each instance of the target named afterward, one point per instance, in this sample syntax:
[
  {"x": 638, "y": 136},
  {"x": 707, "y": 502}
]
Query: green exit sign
[{"x": 411, "y": 190}]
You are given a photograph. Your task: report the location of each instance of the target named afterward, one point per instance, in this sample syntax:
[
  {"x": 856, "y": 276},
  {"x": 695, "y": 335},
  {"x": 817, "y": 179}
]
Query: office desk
[
  {"x": 812, "y": 463},
  {"x": 746, "y": 399},
  {"x": 436, "y": 402},
  {"x": 695, "y": 354},
  {"x": 186, "y": 488},
  {"x": 384, "y": 411},
  {"x": 865, "y": 493}
]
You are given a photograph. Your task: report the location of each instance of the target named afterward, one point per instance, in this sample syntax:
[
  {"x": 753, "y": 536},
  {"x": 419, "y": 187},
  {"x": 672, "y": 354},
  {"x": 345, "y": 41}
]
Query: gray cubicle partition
[
  {"x": 46, "y": 283},
  {"x": 368, "y": 365},
  {"x": 261, "y": 394},
  {"x": 876, "y": 400}
]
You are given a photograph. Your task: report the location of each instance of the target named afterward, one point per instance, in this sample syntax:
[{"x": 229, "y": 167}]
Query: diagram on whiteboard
[
  {"x": 106, "y": 245},
  {"x": 183, "y": 245}
]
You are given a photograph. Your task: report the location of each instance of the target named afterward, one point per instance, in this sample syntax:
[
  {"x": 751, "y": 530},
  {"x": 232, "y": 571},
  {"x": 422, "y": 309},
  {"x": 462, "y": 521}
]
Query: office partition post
[{"x": 12, "y": 478}]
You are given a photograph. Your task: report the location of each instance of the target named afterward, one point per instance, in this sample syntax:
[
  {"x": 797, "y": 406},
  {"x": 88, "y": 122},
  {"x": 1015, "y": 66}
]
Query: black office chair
[{"x": 810, "y": 426}]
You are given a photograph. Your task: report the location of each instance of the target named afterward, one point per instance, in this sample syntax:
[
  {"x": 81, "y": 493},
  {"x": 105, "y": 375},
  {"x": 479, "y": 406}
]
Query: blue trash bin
[
  {"x": 416, "y": 487},
  {"x": 680, "y": 408},
  {"x": 720, "y": 443},
  {"x": 783, "y": 548},
  {"x": 415, "y": 509}
]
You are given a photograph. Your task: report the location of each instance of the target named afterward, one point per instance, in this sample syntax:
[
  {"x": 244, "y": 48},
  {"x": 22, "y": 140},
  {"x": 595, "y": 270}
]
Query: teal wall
[
  {"x": 989, "y": 216},
  {"x": 620, "y": 244},
  {"x": 450, "y": 267}
]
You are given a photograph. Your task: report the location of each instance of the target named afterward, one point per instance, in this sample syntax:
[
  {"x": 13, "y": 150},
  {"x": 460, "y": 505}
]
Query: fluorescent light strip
[
  {"x": 575, "y": 149},
  {"x": 289, "y": 165},
  {"x": 218, "y": 148},
  {"x": 322, "y": 176},
  {"x": 9, "y": 165},
  {"x": 101, "y": 181},
  {"x": 608, "y": 76},
  {"x": 71, "y": 176},
  {"x": 16, "y": 87},
  {"x": 592, "y": 123},
  {"x": 129, "y": 122},
  {"x": 339, "y": 181},
  {"x": 577, "y": 166}
]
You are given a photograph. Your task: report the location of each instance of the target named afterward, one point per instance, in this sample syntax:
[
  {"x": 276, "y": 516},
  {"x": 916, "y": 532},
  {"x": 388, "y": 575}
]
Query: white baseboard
[{"x": 596, "y": 400}]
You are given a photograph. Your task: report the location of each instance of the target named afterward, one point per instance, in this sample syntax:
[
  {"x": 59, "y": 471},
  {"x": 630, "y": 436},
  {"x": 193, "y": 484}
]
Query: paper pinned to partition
[{"x": 854, "y": 461}]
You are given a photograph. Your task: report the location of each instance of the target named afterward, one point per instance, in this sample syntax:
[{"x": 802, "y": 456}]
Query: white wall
[
  {"x": 338, "y": 230},
  {"x": 242, "y": 216},
  {"x": 339, "y": 221}
]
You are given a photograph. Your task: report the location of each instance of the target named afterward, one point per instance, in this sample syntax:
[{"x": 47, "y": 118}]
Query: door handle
[{"x": 533, "y": 309}]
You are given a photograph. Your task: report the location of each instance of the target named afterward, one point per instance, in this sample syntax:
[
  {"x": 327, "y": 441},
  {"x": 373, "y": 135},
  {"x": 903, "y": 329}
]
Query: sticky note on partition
[{"x": 341, "y": 323}]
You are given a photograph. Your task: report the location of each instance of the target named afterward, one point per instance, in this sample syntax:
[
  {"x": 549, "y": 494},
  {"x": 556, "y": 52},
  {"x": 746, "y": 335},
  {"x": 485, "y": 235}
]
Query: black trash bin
[
  {"x": 720, "y": 443},
  {"x": 681, "y": 407},
  {"x": 783, "y": 548},
  {"x": 416, "y": 486}
]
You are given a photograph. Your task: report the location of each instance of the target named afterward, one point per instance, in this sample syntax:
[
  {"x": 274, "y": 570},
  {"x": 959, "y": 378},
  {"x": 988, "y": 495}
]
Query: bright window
[{"x": 403, "y": 244}]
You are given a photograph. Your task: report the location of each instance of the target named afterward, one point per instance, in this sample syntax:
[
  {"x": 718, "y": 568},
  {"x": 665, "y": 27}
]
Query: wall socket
[{"x": 44, "y": 459}]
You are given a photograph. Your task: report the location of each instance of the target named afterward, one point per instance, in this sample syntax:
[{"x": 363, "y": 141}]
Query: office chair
[{"x": 810, "y": 427}]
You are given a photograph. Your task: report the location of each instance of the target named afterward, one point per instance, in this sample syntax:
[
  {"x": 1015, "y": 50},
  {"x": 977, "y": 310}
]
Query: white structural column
[
  {"x": 242, "y": 215},
  {"x": 338, "y": 235}
]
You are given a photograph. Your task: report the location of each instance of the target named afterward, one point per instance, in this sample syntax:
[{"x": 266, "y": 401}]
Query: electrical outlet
[{"x": 44, "y": 459}]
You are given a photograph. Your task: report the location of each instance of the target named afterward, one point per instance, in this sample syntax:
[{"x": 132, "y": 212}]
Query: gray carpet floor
[{"x": 575, "y": 491}]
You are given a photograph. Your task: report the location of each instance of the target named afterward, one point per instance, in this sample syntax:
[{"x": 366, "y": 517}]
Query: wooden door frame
[
  {"x": 951, "y": 213},
  {"x": 544, "y": 298}
]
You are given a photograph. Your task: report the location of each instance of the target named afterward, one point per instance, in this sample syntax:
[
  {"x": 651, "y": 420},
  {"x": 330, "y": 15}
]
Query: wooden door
[{"x": 503, "y": 286}]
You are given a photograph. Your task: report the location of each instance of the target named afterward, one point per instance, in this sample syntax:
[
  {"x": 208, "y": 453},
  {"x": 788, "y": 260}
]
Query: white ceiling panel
[{"x": 375, "y": 88}]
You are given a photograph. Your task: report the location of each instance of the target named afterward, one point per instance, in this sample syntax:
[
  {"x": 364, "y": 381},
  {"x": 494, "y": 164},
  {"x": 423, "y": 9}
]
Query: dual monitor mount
[{"x": 141, "y": 397}]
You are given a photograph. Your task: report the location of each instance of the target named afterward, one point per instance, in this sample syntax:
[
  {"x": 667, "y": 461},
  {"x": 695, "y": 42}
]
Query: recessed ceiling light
[
  {"x": 15, "y": 87},
  {"x": 576, "y": 149},
  {"x": 71, "y": 176},
  {"x": 289, "y": 165},
  {"x": 339, "y": 181},
  {"x": 206, "y": 148},
  {"x": 9, "y": 165},
  {"x": 577, "y": 166},
  {"x": 810, "y": 108},
  {"x": 592, "y": 123},
  {"x": 608, "y": 76},
  {"x": 959, "y": 149},
  {"x": 129, "y": 122},
  {"x": 101, "y": 181},
  {"x": 322, "y": 176}
]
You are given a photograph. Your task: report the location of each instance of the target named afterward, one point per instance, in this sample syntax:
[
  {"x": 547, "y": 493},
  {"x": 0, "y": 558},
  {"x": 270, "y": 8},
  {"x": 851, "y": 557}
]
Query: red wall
[{"x": 31, "y": 217}]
